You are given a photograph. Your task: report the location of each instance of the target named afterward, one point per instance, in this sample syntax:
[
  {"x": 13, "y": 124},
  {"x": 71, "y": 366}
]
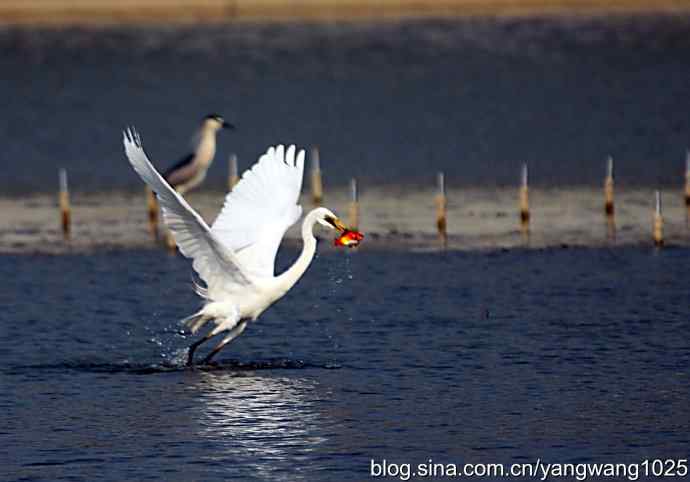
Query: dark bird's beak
[{"x": 227, "y": 125}]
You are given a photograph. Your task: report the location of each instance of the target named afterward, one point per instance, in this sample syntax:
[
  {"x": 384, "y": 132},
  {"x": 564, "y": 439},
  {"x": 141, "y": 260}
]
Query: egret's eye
[{"x": 330, "y": 220}]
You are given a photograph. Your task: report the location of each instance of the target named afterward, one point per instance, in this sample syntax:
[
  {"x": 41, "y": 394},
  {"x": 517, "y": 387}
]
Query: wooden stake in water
[
  {"x": 658, "y": 228},
  {"x": 316, "y": 183},
  {"x": 524, "y": 201},
  {"x": 608, "y": 188},
  {"x": 353, "y": 220},
  {"x": 609, "y": 209},
  {"x": 152, "y": 208},
  {"x": 687, "y": 186},
  {"x": 170, "y": 242},
  {"x": 441, "y": 205},
  {"x": 65, "y": 208},
  {"x": 233, "y": 176}
]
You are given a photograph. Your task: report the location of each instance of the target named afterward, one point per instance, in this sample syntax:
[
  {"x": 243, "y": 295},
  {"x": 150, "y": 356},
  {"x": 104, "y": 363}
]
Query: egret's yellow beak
[
  {"x": 336, "y": 223},
  {"x": 339, "y": 225}
]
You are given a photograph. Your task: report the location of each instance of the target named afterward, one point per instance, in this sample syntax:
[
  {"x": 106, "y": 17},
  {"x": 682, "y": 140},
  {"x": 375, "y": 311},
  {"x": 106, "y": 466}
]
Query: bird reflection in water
[{"x": 262, "y": 421}]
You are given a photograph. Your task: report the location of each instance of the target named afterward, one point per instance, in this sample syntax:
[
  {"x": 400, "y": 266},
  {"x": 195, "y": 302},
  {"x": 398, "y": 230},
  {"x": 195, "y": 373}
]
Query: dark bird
[{"x": 190, "y": 171}]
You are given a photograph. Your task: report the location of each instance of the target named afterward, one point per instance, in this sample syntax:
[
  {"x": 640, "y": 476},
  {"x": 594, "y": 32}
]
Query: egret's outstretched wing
[
  {"x": 216, "y": 265},
  {"x": 260, "y": 208}
]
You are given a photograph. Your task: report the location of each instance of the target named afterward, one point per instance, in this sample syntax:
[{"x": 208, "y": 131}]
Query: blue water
[
  {"x": 387, "y": 103},
  {"x": 568, "y": 355}
]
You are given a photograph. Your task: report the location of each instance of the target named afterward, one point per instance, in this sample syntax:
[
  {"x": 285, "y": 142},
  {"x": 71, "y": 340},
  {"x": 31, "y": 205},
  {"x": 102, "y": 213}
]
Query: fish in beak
[{"x": 349, "y": 239}]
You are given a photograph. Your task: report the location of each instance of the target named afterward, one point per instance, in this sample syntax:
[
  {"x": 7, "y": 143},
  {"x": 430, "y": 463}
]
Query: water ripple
[{"x": 229, "y": 365}]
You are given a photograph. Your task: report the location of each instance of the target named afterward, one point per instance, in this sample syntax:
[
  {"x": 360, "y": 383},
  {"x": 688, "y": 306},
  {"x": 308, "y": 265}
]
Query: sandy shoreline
[
  {"x": 70, "y": 12},
  {"x": 392, "y": 219}
]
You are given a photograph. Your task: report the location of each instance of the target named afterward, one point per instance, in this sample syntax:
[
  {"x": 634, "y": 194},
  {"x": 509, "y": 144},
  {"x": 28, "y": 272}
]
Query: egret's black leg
[
  {"x": 194, "y": 346},
  {"x": 234, "y": 333}
]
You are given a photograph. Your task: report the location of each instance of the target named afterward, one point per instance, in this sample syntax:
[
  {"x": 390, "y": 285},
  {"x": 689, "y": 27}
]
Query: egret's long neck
[
  {"x": 295, "y": 272},
  {"x": 206, "y": 149}
]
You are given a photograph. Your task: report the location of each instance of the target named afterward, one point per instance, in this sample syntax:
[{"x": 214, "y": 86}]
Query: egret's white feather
[
  {"x": 260, "y": 208},
  {"x": 212, "y": 260}
]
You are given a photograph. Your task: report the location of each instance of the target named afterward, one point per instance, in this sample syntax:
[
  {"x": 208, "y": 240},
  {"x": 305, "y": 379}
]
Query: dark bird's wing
[{"x": 181, "y": 172}]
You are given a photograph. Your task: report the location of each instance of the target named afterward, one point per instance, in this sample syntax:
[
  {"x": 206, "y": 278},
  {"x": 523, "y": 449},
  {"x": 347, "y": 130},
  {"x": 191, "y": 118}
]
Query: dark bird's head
[{"x": 216, "y": 122}]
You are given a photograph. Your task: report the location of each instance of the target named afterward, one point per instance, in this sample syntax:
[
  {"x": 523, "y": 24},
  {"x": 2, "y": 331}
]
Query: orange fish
[{"x": 348, "y": 238}]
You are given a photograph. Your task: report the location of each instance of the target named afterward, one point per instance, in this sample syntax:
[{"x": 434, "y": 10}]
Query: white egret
[{"x": 235, "y": 257}]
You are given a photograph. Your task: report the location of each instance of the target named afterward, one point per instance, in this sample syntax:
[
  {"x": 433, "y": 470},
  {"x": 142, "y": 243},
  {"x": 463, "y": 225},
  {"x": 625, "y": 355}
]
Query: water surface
[{"x": 570, "y": 355}]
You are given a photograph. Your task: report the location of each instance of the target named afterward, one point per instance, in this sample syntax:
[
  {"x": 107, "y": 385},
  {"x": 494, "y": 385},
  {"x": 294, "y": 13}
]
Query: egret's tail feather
[{"x": 200, "y": 290}]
